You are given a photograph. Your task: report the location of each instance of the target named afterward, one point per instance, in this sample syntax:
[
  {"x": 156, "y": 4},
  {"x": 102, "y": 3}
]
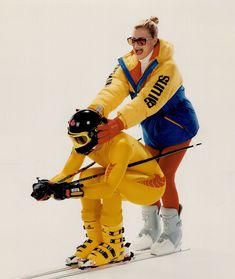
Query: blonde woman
[{"x": 149, "y": 75}]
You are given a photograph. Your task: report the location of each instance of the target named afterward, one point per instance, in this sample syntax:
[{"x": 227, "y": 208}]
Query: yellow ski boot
[
  {"x": 94, "y": 238},
  {"x": 110, "y": 250}
]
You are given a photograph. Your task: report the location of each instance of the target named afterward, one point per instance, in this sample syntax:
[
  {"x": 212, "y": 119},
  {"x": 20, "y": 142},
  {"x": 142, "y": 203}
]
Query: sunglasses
[{"x": 140, "y": 41}]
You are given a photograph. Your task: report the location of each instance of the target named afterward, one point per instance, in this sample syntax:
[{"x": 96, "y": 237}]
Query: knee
[
  {"x": 169, "y": 174},
  {"x": 86, "y": 173}
]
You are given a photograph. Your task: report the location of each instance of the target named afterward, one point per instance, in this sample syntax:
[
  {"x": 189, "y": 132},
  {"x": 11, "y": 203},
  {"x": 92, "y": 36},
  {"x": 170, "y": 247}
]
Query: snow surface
[{"x": 54, "y": 57}]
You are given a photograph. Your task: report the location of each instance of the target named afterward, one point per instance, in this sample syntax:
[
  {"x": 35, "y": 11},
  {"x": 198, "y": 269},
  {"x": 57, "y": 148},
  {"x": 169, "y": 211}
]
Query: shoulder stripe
[
  {"x": 149, "y": 70},
  {"x": 127, "y": 73}
]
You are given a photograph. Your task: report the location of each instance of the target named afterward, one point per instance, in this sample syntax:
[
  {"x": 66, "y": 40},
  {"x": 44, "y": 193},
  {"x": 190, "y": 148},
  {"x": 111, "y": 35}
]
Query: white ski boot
[
  {"x": 151, "y": 230},
  {"x": 171, "y": 238}
]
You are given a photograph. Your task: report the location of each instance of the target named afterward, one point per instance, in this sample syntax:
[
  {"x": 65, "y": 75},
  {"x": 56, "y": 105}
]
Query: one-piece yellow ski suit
[{"x": 142, "y": 184}]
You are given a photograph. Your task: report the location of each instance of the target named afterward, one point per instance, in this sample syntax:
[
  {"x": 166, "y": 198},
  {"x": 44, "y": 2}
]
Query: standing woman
[{"x": 149, "y": 75}]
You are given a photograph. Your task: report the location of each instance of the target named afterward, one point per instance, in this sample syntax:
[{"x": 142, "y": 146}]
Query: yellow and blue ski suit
[{"x": 158, "y": 97}]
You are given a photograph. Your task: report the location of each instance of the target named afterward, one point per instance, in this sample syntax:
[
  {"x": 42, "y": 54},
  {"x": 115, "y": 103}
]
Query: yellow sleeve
[
  {"x": 153, "y": 96},
  {"x": 119, "y": 157},
  {"x": 72, "y": 165},
  {"x": 114, "y": 92}
]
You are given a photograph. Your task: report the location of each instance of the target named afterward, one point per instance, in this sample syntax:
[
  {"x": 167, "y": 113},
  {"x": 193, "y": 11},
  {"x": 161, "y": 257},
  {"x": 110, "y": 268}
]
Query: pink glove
[{"x": 107, "y": 131}]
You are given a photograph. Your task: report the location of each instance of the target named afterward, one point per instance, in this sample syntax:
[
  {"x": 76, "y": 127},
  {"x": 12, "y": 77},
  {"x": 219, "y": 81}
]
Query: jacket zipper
[{"x": 172, "y": 121}]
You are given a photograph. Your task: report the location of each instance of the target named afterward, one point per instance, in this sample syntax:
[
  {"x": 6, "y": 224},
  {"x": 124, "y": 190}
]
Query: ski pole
[
  {"x": 140, "y": 162},
  {"x": 163, "y": 155},
  {"x": 80, "y": 170}
]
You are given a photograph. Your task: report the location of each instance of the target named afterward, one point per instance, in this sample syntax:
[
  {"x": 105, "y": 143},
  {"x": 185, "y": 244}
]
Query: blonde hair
[{"x": 149, "y": 24}]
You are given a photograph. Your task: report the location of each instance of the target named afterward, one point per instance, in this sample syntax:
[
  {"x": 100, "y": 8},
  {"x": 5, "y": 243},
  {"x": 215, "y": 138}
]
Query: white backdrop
[{"x": 55, "y": 55}]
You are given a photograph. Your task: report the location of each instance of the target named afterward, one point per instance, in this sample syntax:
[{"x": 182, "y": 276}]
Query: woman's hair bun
[
  {"x": 150, "y": 24},
  {"x": 154, "y": 19}
]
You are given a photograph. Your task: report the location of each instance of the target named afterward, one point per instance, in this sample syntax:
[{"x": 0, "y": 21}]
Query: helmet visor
[{"x": 80, "y": 140}]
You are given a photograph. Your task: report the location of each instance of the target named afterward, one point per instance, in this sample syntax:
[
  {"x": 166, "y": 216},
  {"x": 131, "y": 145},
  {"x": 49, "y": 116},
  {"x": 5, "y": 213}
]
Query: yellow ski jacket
[{"x": 155, "y": 87}]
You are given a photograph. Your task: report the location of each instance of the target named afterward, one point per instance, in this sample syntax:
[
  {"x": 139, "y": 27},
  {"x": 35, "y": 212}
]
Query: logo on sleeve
[
  {"x": 110, "y": 78},
  {"x": 156, "y": 91}
]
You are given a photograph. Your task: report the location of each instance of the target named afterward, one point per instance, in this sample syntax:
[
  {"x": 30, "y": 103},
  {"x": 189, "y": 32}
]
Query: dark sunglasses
[{"x": 140, "y": 41}]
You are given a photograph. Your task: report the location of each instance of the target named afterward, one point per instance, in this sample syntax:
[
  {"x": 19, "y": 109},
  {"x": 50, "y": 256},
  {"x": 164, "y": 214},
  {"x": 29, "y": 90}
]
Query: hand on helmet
[{"x": 108, "y": 131}]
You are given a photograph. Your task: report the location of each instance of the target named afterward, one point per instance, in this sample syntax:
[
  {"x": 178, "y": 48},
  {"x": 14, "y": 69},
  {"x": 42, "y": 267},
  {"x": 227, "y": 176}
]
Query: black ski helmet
[{"x": 82, "y": 129}]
